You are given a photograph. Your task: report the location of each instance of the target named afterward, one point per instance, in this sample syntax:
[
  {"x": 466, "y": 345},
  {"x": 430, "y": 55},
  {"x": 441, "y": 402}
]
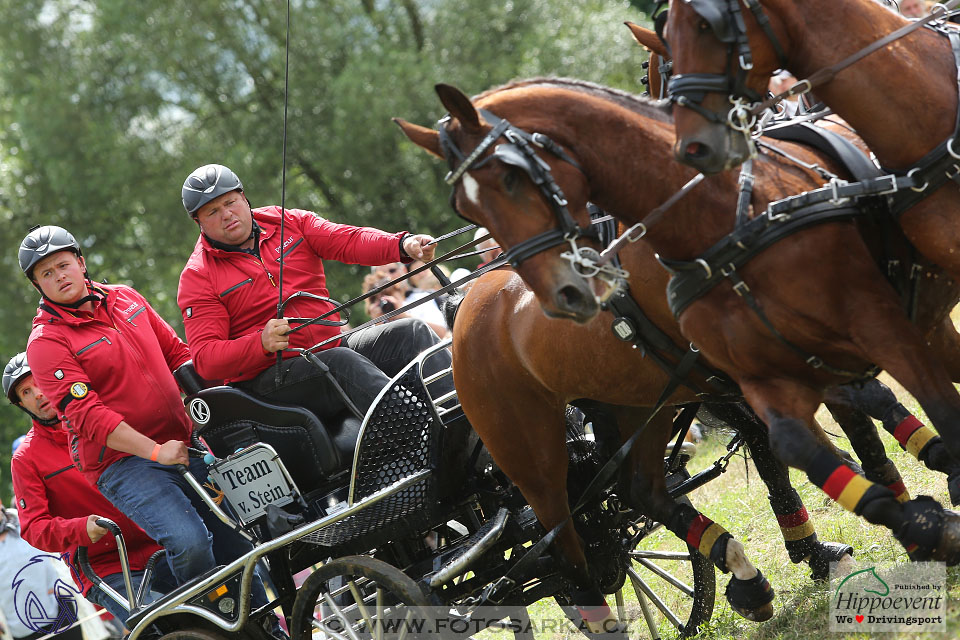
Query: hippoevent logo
[
  {"x": 890, "y": 597},
  {"x": 31, "y": 588}
]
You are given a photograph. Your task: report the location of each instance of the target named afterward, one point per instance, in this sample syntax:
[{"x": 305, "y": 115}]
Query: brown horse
[
  {"x": 943, "y": 339},
  {"x": 516, "y": 403},
  {"x": 901, "y": 99},
  {"x": 821, "y": 289}
]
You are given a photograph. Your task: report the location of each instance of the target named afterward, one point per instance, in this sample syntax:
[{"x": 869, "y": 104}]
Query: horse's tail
[{"x": 449, "y": 305}]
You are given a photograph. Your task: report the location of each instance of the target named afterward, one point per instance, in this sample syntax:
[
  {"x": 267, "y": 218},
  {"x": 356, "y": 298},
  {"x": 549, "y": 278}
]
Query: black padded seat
[
  {"x": 230, "y": 418},
  {"x": 237, "y": 419}
]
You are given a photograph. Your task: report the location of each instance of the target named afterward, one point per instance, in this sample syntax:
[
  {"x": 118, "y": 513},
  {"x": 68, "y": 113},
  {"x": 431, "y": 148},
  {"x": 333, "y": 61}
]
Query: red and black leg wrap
[
  {"x": 915, "y": 437},
  {"x": 798, "y": 535},
  {"x": 844, "y": 486},
  {"x": 701, "y": 533}
]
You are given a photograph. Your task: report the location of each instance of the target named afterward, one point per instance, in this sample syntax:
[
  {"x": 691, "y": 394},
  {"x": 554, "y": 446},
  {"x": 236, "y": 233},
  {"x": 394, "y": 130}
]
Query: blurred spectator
[
  {"x": 781, "y": 81},
  {"x": 914, "y": 8},
  {"x": 398, "y": 295},
  {"x": 492, "y": 251},
  {"x": 492, "y": 247}
]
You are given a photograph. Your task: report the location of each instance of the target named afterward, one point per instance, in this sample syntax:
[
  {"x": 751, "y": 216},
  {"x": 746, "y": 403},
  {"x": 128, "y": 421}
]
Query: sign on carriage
[
  {"x": 888, "y": 597},
  {"x": 251, "y": 480}
]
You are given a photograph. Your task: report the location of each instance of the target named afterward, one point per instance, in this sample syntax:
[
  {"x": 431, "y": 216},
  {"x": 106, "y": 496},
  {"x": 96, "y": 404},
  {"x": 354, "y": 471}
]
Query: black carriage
[{"x": 403, "y": 515}]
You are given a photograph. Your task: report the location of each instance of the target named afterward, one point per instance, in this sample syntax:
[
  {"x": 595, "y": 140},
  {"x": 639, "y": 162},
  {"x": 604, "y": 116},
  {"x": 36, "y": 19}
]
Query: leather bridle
[
  {"x": 691, "y": 89},
  {"x": 519, "y": 151}
]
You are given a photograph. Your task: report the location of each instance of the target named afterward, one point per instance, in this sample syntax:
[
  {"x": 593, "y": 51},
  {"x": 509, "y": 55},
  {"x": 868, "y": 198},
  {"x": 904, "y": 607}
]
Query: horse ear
[
  {"x": 649, "y": 39},
  {"x": 458, "y": 105},
  {"x": 421, "y": 136}
]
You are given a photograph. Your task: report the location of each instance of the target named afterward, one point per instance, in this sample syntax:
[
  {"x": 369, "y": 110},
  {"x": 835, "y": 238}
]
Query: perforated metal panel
[{"x": 399, "y": 438}]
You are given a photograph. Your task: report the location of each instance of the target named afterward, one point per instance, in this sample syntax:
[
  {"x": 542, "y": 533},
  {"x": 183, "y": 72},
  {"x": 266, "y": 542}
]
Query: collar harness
[{"x": 519, "y": 152}]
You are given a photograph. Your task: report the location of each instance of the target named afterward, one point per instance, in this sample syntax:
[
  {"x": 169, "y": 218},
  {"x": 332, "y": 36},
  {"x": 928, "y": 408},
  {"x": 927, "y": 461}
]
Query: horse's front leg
[
  {"x": 921, "y": 525},
  {"x": 748, "y": 591},
  {"x": 853, "y": 405},
  {"x": 799, "y": 535}
]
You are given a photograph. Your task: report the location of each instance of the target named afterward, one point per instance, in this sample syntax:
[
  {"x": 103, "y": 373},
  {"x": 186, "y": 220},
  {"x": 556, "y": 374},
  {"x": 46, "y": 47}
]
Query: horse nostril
[
  {"x": 571, "y": 297},
  {"x": 696, "y": 150}
]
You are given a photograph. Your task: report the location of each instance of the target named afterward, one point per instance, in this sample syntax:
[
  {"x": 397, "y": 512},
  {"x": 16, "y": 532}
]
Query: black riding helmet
[
  {"x": 15, "y": 371},
  {"x": 42, "y": 242},
  {"x": 206, "y": 183}
]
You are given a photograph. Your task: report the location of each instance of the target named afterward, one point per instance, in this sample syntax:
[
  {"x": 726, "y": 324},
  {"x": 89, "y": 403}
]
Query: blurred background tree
[{"x": 107, "y": 105}]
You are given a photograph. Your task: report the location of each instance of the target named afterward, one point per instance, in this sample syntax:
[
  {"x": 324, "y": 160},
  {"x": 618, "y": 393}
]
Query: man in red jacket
[
  {"x": 228, "y": 297},
  {"x": 58, "y": 509},
  {"x": 103, "y": 357}
]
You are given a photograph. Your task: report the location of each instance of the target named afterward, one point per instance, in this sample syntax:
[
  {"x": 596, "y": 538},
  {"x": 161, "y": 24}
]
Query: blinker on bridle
[
  {"x": 519, "y": 152},
  {"x": 690, "y": 89}
]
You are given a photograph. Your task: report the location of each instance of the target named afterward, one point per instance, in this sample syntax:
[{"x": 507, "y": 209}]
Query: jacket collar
[{"x": 52, "y": 312}]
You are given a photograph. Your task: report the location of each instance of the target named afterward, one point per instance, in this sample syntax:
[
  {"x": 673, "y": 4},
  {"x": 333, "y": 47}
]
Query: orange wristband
[{"x": 155, "y": 453}]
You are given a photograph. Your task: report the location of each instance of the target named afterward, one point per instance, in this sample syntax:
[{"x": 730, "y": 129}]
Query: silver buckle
[
  {"x": 893, "y": 185},
  {"x": 835, "y": 184}
]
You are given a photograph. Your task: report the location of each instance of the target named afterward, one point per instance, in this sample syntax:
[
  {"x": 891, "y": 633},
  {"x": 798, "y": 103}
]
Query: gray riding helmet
[
  {"x": 15, "y": 371},
  {"x": 42, "y": 242},
  {"x": 206, "y": 183}
]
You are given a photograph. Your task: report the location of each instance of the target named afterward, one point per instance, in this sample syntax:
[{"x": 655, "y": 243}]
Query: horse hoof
[
  {"x": 826, "y": 553},
  {"x": 930, "y": 532},
  {"x": 752, "y": 599}
]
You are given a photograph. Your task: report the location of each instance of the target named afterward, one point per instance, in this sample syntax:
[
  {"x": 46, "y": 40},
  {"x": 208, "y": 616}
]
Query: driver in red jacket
[
  {"x": 58, "y": 509},
  {"x": 228, "y": 297}
]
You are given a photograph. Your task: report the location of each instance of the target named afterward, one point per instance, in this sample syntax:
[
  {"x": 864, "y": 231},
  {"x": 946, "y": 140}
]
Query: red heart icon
[{"x": 859, "y": 618}]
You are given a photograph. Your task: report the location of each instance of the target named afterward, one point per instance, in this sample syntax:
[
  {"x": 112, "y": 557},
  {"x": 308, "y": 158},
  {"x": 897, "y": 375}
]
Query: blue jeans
[
  {"x": 161, "y": 584},
  {"x": 160, "y": 501}
]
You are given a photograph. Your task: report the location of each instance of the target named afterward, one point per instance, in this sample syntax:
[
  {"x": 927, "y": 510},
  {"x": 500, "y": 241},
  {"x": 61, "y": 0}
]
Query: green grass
[{"x": 738, "y": 501}]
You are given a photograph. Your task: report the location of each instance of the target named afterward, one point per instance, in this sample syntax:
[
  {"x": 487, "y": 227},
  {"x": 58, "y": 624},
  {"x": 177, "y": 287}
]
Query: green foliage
[{"x": 108, "y": 105}]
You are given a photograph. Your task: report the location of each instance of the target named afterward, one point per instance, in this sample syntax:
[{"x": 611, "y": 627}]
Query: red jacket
[
  {"x": 227, "y": 297},
  {"x": 108, "y": 367},
  {"x": 53, "y": 502}
]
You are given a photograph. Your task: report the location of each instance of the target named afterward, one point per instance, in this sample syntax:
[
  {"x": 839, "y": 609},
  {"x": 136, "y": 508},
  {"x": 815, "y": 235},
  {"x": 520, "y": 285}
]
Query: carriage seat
[{"x": 228, "y": 419}]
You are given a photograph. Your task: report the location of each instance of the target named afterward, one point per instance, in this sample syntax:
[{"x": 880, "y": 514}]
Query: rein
[{"x": 827, "y": 74}]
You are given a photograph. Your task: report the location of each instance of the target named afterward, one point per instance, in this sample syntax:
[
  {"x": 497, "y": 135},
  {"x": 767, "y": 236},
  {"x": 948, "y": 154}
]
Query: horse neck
[
  {"x": 636, "y": 172},
  {"x": 902, "y": 100}
]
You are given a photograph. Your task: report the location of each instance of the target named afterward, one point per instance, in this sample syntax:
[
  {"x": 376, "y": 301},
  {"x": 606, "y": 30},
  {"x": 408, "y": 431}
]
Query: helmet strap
[{"x": 49, "y": 422}]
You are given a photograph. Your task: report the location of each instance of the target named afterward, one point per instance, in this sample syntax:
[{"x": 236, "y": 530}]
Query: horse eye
[{"x": 704, "y": 26}]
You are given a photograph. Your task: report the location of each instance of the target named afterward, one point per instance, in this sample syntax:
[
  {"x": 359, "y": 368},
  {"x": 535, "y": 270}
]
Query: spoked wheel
[
  {"x": 672, "y": 582},
  {"x": 358, "y": 597}
]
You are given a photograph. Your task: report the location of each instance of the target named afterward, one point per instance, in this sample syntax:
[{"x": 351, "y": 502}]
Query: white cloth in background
[{"x": 428, "y": 311}]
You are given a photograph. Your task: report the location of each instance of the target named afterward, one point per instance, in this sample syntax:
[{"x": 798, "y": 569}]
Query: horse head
[
  {"x": 722, "y": 62},
  {"x": 504, "y": 179}
]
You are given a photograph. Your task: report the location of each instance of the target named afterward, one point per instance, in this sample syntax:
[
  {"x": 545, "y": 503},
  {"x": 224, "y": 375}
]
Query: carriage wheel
[
  {"x": 672, "y": 581},
  {"x": 373, "y": 598}
]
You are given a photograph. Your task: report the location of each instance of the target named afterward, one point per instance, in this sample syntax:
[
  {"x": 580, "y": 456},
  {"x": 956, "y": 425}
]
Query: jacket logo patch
[
  {"x": 78, "y": 390},
  {"x": 58, "y": 374},
  {"x": 189, "y": 312},
  {"x": 23, "y": 503}
]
